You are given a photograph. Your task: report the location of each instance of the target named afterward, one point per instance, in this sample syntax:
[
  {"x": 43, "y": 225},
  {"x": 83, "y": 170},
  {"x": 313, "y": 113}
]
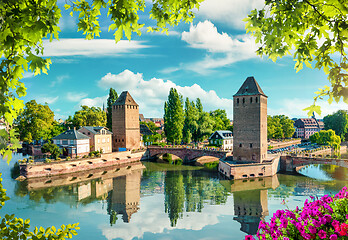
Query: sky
[{"x": 208, "y": 59}]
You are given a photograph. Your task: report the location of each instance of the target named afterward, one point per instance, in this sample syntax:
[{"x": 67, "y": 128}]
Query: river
[{"x": 159, "y": 201}]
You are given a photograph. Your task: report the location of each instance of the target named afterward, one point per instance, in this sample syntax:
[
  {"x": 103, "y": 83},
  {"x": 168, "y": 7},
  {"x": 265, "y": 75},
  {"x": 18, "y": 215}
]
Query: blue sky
[{"x": 209, "y": 59}]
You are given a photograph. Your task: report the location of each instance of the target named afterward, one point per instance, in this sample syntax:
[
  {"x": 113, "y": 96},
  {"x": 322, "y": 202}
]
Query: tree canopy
[
  {"x": 314, "y": 31},
  {"x": 111, "y": 100},
  {"x": 326, "y": 137},
  {"x": 52, "y": 149},
  {"x": 89, "y": 116},
  {"x": 36, "y": 122},
  {"x": 280, "y": 126},
  {"x": 338, "y": 122}
]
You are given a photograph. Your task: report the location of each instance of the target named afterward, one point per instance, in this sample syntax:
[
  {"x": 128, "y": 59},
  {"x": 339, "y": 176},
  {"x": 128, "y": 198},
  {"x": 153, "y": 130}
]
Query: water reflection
[{"x": 251, "y": 200}]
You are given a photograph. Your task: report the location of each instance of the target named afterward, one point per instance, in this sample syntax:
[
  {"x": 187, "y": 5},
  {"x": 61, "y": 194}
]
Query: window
[
  {"x": 57, "y": 141},
  {"x": 122, "y": 140},
  {"x": 71, "y": 141},
  {"x": 256, "y": 99},
  {"x": 243, "y": 100},
  {"x": 103, "y": 140},
  {"x": 65, "y": 142},
  {"x": 251, "y": 145},
  {"x": 240, "y": 145},
  {"x": 251, "y": 100},
  {"x": 108, "y": 140},
  {"x": 98, "y": 140},
  {"x": 237, "y": 100},
  {"x": 89, "y": 133}
]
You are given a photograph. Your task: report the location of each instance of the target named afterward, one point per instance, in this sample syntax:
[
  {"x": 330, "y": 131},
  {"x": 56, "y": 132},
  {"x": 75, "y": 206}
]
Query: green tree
[
  {"x": 326, "y": 137},
  {"x": 173, "y": 117},
  {"x": 57, "y": 129},
  {"x": 205, "y": 127},
  {"x": 287, "y": 125},
  {"x": 151, "y": 125},
  {"x": 89, "y": 116},
  {"x": 35, "y": 122},
  {"x": 315, "y": 30},
  {"x": 51, "y": 148},
  {"x": 221, "y": 122},
  {"x": 279, "y": 126},
  {"x": 111, "y": 100},
  {"x": 338, "y": 122},
  {"x": 190, "y": 122}
]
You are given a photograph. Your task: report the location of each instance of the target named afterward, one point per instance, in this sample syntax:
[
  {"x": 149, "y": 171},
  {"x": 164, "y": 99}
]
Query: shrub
[
  {"x": 68, "y": 158},
  {"x": 31, "y": 161},
  {"x": 47, "y": 160},
  {"x": 324, "y": 218}
]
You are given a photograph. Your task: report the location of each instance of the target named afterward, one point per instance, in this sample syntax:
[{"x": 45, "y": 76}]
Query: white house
[
  {"x": 222, "y": 138},
  {"x": 72, "y": 143}
]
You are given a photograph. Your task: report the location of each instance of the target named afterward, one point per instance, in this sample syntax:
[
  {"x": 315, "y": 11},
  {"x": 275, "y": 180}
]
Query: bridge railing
[{"x": 190, "y": 147}]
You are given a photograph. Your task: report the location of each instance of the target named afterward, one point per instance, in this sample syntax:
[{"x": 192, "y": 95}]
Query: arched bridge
[
  {"x": 186, "y": 154},
  {"x": 290, "y": 163}
]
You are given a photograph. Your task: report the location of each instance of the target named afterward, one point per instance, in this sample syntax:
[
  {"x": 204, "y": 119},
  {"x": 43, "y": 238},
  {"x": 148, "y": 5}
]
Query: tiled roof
[
  {"x": 224, "y": 134},
  {"x": 250, "y": 87},
  {"x": 71, "y": 134},
  {"x": 96, "y": 130},
  {"x": 125, "y": 99}
]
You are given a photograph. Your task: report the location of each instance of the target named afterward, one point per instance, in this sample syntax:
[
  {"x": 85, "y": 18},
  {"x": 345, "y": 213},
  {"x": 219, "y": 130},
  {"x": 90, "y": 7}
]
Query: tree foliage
[
  {"x": 221, "y": 122},
  {"x": 326, "y": 137},
  {"x": 36, "y": 122},
  {"x": 280, "y": 126},
  {"x": 317, "y": 32},
  {"x": 51, "y": 148},
  {"x": 174, "y": 117},
  {"x": 191, "y": 121},
  {"x": 111, "y": 100},
  {"x": 89, "y": 116},
  {"x": 151, "y": 125},
  {"x": 338, "y": 122}
]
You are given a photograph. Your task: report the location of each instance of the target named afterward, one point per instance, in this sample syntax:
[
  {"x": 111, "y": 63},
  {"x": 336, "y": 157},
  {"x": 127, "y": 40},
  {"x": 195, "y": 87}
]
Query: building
[
  {"x": 125, "y": 123},
  {"x": 223, "y": 138},
  {"x": 250, "y": 123},
  {"x": 72, "y": 143},
  {"x": 100, "y": 138},
  {"x": 306, "y": 127}
]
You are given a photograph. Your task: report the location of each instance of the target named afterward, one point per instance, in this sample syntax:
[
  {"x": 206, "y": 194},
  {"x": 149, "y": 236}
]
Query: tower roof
[
  {"x": 125, "y": 99},
  {"x": 250, "y": 87}
]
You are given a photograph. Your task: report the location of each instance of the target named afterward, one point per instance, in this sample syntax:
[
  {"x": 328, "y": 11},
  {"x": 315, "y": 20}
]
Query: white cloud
[
  {"x": 28, "y": 75},
  {"x": 293, "y": 107},
  {"x": 48, "y": 100},
  {"x": 151, "y": 94},
  {"x": 59, "y": 80},
  {"x": 91, "y": 48},
  {"x": 75, "y": 97},
  {"x": 231, "y": 12},
  {"x": 93, "y": 102},
  {"x": 222, "y": 49}
]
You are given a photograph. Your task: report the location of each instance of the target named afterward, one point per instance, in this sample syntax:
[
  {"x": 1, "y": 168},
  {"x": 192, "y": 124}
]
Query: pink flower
[
  {"x": 322, "y": 234},
  {"x": 249, "y": 237},
  {"x": 333, "y": 237}
]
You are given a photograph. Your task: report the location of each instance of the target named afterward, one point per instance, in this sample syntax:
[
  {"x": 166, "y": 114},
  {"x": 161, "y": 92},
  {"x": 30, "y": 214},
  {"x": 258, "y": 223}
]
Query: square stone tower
[
  {"x": 125, "y": 123},
  {"x": 250, "y": 123}
]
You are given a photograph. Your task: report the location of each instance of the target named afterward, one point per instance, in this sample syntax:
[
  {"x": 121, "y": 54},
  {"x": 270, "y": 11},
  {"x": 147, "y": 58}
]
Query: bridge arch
[{"x": 186, "y": 154}]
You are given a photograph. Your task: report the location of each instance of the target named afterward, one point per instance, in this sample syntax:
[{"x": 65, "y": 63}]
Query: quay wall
[
  {"x": 36, "y": 170},
  {"x": 277, "y": 145}
]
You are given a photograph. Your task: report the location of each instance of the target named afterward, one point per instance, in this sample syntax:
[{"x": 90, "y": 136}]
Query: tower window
[
  {"x": 243, "y": 100},
  {"x": 237, "y": 100},
  {"x": 251, "y": 100},
  {"x": 256, "y": 99},
  {"x": 251, "y": 145},
  {"x": 240, "y": 145}
]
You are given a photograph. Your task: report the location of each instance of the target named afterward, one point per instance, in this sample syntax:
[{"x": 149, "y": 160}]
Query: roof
[
  {"x": 224, "y": 134},
  {"x": 307, "y": 123},
  {"x": 71, "y": 134},
  {"x": 125, "y": 99},
  {"x": 96, "y": 130},
  {"x": 250, "y": 87}
]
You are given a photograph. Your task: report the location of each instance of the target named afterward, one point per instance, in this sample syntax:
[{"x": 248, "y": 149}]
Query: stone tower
[
  {"x": 125, "y": 123},
  {"x": 250, "y": 123}
]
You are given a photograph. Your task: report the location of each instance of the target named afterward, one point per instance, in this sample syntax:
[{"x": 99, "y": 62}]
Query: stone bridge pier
[{"x": 186, "y": 154}]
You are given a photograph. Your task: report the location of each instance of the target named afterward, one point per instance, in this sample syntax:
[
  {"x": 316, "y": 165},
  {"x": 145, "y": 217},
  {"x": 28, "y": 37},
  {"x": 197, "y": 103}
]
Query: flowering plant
[{"x": 321, "y": 218}]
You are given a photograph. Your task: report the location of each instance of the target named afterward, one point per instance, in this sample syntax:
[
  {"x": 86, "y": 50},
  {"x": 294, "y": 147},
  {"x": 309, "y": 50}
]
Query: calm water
[{"x": 156, "y": 201}]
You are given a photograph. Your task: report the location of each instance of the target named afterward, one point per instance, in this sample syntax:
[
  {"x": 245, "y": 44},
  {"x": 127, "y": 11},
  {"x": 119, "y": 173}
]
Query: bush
[
  {"x": 324, "y": 218},
  {"x": 47, "y": 160},
  {"x": 212, "y": 165},
  {"x": 68, "y": 158}
]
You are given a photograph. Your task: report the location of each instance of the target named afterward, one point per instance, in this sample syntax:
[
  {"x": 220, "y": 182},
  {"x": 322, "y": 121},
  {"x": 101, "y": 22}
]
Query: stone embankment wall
[
  {"x": 65, "y": 167},
  {"x": 252, "y": 170},
  {"x": 277, "y": 145},
  {"x": 323, "y": 152}
]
